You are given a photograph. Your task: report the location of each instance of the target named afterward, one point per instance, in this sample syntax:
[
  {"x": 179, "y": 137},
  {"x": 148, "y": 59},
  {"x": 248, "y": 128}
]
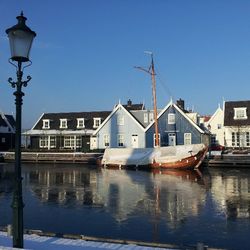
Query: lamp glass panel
[{"x": 20, "y": 44}]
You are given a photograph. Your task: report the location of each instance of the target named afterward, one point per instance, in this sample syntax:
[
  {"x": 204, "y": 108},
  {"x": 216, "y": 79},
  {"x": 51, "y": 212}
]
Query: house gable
[
  {"x": 172, "y": 120},
  {"x": 119, "y": 125}
]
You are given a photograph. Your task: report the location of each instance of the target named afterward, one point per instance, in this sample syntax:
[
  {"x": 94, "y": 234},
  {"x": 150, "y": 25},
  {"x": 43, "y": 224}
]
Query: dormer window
[
  {"x": 97, "y": 122},
  {"x": 171, "y": 118},
  {"x": 63, "y": 123},
  {"x": 240, "y": 113},
  {"x": 80, "y": 123},
  {"x": 46, "y": 124}
]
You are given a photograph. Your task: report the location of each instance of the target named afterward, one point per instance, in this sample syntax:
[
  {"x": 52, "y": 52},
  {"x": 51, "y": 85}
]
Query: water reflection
[
  {"x": 172, "y": 195},
  {"x": 163, "y": 206},
  {"x": 65, "y": 186},
  {"x": 231, "y": 191}
]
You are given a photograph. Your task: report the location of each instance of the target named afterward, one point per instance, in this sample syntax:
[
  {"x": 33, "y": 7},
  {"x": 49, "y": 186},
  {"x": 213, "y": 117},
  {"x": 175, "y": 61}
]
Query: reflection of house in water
[
  {"x": 171, "y": 198},
  {"x": 177, "y": 196},
  {"x": 231, "y": 192},
  {"x": 66, "y": 186},
  {"x": 119, "y": 193}
]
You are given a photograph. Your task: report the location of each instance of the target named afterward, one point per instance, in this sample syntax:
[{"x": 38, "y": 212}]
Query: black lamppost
[{"x": 20, "y": 38}]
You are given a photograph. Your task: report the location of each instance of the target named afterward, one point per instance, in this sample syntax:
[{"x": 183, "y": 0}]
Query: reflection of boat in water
[
  {"x": 177, "y": 157},
  {"x": 183, "y": 174}
]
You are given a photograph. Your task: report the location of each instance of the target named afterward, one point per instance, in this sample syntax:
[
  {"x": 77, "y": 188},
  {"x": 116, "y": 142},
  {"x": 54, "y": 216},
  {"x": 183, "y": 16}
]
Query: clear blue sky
[{"x": 84, "y": 53}]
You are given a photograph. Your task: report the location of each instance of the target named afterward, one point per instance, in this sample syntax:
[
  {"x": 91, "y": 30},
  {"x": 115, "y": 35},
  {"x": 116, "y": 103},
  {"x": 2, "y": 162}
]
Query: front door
[
  {"x": 135, "y": 141},
  {"x": 171, "y": 139}
]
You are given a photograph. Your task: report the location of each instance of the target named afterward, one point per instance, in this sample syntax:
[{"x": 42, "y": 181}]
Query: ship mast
[{"x": 151, "y": 71}]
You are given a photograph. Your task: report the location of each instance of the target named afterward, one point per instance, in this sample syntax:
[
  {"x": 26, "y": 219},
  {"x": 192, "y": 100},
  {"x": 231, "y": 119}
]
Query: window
[
  {"x": 80, "y": 123},
  {"x": 151, "y": 117},
  {"x": 46, "y": 124},
  {"x": 52, "y": 141},
  {"x": 233, "y": 139},
  {"x": 238, "y": 139},
  {"x": 120, "y": 120},
  {"x": 72, "y": 142},
  {"x": 240, "y": 113},
  {"x": 78, "y": 142},
  {"x": 159, "y": 139},
  {"x": 171, "y": 118},
  {"x": 145, "y": 118},
  {"x": 63, "y": 123},
  {"x": 3, "y": 140},
  {"x": 47, "y": 142},
  {"x": 247, "y": 139},
  {"x": 120, "y": 140},
  {"x": 187, "y": 138},
  {"x": 97, "y": 122},
  {"x": 106, "y": 141},
  {"x": 44, "y": 142}
]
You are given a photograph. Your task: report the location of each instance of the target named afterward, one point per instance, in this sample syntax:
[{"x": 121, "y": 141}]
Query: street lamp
[{"x": 20, "y": 39}]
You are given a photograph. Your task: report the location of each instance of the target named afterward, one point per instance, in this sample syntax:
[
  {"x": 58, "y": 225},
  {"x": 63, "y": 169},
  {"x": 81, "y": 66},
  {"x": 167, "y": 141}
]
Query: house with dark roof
[
  {"x": 65, "y": 131},
  {"x": 71, "y": 131},
  {"x": 7, "y": 132},
  {"x": 237, "y": 124}
]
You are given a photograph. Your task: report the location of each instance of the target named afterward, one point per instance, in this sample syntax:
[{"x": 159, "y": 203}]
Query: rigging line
[{"x": 163, "y": 83}]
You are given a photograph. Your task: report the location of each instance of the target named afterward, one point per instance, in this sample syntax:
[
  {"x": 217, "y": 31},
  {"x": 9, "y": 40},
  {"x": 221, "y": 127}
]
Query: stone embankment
[{"x": 42, "y": 157}]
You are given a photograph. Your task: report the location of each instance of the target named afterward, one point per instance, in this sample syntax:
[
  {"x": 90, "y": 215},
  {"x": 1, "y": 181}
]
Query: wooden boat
[{"x": 174, "y": 157}]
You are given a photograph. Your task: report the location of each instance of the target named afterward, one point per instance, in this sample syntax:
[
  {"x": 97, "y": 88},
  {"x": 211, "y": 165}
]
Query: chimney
[
  {"x": 181, "y": 104},
  {"x": 129, "y": 103}
]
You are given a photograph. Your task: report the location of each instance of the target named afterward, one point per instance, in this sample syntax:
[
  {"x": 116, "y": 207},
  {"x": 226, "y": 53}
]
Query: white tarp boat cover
[{"x": 145, "y": 156}]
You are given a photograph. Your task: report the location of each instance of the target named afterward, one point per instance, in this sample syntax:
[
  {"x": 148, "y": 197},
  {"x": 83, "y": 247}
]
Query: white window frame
[
  {"x": 63, "y": 123},
  {"x": 47, "y": 141},
  {"x": 187, "y": 138},
  {"x": 46, "y": 124},
  {"x": 240, "y": 113},
  {"x": 151, "y": 117},
  {"x": 52, "y": 141},
  {"x": 44, "y": 141},
  {"x": 72, "y": 141},
  {"x": 120, "y": 140},
  {"x": 171, "y": 118},
  {"x": 80, "y": 123},
  {"x": 97, "y": 122},
  {"x": 106, "y": 140},
  {"x": 145, "y": 117},
  {"x": 120, "y": 120}
]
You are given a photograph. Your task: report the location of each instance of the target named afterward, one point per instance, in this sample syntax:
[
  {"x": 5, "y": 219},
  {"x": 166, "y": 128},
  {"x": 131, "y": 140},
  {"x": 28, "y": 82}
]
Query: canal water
[{"x": 177, "y": 207}]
